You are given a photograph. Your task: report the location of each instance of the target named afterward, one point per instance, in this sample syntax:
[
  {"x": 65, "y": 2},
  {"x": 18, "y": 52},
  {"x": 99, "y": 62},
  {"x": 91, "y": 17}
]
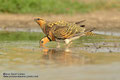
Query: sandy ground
[{"x": 103, "y": 20}]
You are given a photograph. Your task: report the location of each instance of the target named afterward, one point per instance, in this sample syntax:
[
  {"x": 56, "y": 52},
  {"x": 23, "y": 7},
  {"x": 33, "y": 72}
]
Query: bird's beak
[
  {"x": 42, "y": 45},
  {"x": 35, "y": 19},
  {"x": 45, "y": 50}
]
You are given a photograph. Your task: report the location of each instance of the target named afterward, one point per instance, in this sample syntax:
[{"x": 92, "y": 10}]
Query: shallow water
[
  {"x": 107, "y": 33},
  {"x": 94, "y": 61},
  {"x": 39, "y": 30}
]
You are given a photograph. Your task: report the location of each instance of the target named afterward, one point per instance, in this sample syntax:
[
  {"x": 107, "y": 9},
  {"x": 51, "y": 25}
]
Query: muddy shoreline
[
  {"x": 89, "y": 58},
  {"x": 102, "y": 21}
]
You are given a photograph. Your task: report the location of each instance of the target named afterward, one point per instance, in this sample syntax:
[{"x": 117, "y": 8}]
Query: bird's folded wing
[
  {"x": 59, "y": 23},
  {"x": 63, "y": 32}
]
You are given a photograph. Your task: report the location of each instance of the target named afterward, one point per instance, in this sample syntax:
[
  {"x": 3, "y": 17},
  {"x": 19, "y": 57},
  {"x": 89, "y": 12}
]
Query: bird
[
  {"x": 60, "y": 31},
  {"x": 46, "y": 26}
]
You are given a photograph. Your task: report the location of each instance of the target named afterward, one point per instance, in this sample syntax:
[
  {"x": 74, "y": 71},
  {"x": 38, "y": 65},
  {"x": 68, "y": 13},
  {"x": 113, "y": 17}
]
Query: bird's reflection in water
[{"x": 64, "y": 56}]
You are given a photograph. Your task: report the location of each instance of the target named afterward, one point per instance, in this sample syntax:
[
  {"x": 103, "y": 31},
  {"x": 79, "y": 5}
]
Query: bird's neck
[{"x": 42, "y": 25}]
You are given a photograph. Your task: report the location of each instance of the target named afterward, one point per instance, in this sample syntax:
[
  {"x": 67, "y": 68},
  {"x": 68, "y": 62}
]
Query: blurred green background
[{"x": 57, "y": 6}]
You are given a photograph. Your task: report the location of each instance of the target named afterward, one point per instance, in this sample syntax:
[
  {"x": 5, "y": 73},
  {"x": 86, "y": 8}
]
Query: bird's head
[
  {"x": 40, "y": 21},
  {"x": 44, "y": 40}
]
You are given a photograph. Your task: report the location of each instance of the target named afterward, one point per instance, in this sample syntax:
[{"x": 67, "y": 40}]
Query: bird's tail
[
  {"x": 80, "y": 21},
  {"x": 89, "y": 32}
]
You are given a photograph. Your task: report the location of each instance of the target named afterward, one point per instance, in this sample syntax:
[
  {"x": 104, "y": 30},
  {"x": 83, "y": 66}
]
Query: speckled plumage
[
  {"x": 61, "y": 30},
  {"x": 66, "y": 30}
]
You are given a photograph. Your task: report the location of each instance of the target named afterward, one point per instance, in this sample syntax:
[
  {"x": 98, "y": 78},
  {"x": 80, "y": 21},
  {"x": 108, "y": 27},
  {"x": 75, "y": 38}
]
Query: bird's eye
[
  {"x": 41, "y": 41},
  {"x": 38, "y": 19}
]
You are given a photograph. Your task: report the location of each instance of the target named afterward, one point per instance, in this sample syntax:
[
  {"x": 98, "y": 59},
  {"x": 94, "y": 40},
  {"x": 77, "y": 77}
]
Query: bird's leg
[
  {"x": 68, "y": 42},
  {"x": 68, "y": 45},
  {"x": 58, "y": 45}
]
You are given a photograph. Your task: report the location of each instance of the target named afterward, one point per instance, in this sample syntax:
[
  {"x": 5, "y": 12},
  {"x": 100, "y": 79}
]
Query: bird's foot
[
  {"x": 67, "y": 50},
  {"x": 58, "y": 45}
]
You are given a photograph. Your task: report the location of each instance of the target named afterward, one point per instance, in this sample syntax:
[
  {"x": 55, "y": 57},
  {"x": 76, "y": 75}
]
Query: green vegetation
[
  {"x": 20, "y": 36},
  {"x": 56, "y": 6},
  {"x": 99, "y": 38},
  {"x": 34, "y": 36}
]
